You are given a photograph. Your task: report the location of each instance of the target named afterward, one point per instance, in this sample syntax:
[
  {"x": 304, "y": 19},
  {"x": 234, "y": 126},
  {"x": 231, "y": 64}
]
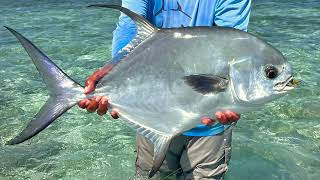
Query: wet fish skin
[
  {"x": 169, "y": 78},
  {"x": 156, "y": 69}
]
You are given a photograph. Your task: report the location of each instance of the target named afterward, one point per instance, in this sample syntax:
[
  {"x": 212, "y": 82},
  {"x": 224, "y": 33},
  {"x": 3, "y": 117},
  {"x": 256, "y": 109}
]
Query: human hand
[
  {"x": 95, "y": 77},
  {"x": 97, "y": 103},
  {"x": 225, "y": 117}
]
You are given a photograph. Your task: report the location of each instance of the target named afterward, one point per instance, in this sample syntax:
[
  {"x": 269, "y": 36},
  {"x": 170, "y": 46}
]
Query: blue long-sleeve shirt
[{"x": 183, "y": 13}]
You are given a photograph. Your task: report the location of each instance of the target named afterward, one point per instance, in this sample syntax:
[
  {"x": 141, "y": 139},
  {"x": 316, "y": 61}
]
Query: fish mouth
[{"x": 287, "y": 85}]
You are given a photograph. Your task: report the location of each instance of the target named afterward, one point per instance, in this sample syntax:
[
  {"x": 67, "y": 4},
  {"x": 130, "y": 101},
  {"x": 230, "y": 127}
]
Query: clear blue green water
[{"x": 281, "y": 141}]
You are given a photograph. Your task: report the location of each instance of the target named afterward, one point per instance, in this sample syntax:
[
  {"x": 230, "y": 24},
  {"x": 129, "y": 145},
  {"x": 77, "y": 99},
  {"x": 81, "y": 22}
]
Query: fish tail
[{"x": 63, "y": 91}]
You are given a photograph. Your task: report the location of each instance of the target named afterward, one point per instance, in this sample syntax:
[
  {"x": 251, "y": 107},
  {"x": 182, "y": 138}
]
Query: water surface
[{"x": 281, "y": 141}]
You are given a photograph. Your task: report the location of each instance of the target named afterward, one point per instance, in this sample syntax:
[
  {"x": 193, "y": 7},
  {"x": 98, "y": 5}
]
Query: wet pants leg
[{"x": 188, "y": 157}]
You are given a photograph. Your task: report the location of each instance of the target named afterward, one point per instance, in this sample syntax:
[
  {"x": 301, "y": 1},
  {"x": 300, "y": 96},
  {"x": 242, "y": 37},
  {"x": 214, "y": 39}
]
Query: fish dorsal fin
[{"x": 144, "y": 28}]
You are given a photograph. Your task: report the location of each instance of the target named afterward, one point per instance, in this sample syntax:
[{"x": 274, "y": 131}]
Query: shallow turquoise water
[{"x": 282, "y": 141}]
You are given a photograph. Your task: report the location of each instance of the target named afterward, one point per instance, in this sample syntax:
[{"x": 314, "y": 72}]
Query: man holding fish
[{"x": 204, "y": 151}]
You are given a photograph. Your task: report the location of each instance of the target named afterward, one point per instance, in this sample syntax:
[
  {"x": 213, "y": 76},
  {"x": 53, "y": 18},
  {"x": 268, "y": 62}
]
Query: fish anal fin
[
  {"x": 160, "y": 140},
  {"x": 206, "y": 83},
  {"x": 161, "y": 146}
]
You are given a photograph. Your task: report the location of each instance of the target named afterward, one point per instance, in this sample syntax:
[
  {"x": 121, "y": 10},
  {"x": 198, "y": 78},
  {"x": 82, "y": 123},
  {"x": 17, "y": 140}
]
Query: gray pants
[{"x": 188, "y": 157}]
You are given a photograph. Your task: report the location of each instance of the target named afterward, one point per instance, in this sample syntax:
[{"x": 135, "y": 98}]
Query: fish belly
[{"x": 147, "y": 87}]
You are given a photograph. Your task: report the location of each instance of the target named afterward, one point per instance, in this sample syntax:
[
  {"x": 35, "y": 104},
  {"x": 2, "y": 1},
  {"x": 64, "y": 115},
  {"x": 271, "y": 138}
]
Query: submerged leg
[
  {"x": 171, "y": 164},
  {"x": 207, "y": 157}
]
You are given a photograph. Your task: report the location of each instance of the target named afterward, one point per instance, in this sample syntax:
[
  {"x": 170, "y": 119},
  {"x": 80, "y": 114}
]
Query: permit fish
[{"x": 166, "y": 80}]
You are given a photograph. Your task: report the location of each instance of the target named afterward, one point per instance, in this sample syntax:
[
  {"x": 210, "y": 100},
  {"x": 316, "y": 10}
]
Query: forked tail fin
[{"x": 64, "y": 92}]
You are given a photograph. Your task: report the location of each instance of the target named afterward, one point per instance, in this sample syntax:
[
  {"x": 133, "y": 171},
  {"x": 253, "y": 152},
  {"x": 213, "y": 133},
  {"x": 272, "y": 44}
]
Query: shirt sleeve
[
  {"x": 233, "y": 13},
  {"x": 126, "y": 29}
]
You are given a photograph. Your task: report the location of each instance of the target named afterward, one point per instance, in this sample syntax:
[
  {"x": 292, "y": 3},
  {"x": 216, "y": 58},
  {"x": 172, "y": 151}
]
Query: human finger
[
  {"x": 235, "y": 116},
  {"x": 207, "y": 121},
  {"x": 83, "y": 103},
  {"x": 92, "y": 106},
  {"x": 97, "y": 98},
  {"x": 114, "y": 114},
  {"x": 221, "y": 117},
  {"x": 232, "y": 116},
  {"x": 228, "y": 115},
  {"x": 103, "y": 106},
  {"x": 89, "y": 88}
]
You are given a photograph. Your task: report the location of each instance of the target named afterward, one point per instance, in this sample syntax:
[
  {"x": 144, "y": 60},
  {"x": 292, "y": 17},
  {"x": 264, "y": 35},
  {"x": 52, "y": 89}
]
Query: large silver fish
[{"x": 168, "y": 79}]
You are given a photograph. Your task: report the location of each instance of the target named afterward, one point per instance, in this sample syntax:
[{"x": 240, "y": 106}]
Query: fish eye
[{"x": 271, "y": 72}]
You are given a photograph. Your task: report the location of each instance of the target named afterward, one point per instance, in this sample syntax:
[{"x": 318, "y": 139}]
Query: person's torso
[
  {"x": 185, "y": 13},
  {"x": 181, "y": 13}
]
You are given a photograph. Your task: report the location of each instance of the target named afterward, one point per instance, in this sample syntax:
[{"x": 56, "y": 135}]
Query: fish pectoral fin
[
  {"x": 206, "y": 83},
  {"x": 161, "y": 146}
]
